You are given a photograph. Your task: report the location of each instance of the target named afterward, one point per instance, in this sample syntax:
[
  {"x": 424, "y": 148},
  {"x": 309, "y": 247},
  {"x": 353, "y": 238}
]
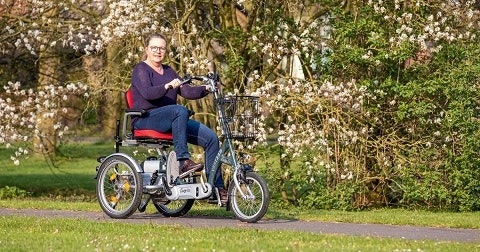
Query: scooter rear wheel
[{"x": 119, "y": 187}]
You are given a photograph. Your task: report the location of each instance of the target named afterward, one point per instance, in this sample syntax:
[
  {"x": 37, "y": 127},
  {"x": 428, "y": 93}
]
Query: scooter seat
[{"x": 146, "y": 133}]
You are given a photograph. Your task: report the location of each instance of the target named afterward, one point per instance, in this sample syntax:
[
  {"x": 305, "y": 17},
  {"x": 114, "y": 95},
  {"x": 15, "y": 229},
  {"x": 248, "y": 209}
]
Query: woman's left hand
[{"x": 209, "y": 88}]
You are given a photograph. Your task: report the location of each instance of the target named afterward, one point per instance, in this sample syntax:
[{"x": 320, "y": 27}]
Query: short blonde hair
[{"x": 152, "y": 36}]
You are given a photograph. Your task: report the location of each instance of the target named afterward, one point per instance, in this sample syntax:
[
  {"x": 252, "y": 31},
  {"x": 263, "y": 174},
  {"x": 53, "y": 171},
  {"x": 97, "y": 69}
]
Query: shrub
[{"x": 11, "y": 192}]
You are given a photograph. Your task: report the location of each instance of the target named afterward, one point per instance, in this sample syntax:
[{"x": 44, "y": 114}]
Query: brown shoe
[
  {"x": 188, "y": 167},
  {"x": 223, "y": 195}
]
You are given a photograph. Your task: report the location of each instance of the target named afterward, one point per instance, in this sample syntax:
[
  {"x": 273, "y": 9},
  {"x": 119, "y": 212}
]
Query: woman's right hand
[{"x": 173, "y": 84}]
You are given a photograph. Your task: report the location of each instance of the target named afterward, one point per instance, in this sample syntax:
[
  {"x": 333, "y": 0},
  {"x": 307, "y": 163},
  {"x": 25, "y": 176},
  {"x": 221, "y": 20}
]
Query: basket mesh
[{"x": 240, "y": 114}]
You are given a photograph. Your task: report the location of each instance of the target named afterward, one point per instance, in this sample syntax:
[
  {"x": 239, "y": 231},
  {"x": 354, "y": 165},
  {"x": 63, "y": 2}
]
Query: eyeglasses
[{"x": 158, "y": 48}]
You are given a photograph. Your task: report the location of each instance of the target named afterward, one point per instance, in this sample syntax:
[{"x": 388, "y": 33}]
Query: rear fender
[{"x": 138, "y": 168}]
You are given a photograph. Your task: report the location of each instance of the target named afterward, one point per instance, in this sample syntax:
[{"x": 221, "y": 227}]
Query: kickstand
[{"x": 143, "y": 205}]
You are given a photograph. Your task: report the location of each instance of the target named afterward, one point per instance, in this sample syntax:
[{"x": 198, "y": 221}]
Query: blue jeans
[{"x": 175, "y": 119}]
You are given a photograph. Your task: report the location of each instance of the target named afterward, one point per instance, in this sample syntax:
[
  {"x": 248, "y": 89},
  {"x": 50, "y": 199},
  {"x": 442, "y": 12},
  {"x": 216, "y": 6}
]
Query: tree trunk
[
  {"x": 48, "y": 73},
  {"x": 93, "y": 66},
  {"x": 111, "y": 107}
]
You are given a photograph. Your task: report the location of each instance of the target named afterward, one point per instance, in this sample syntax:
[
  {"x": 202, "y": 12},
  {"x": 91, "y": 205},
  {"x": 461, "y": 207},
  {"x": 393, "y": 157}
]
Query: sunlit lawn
[
  {"x": 71, "y": 182},
  {"x": 70, "y": 185}
]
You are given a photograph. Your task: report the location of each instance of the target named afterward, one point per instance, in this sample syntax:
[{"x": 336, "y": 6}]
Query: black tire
[
  {"x": 119, "y": 187},
  {"x": 249, "y": 210},
  {"x": 174, "y": 208}
]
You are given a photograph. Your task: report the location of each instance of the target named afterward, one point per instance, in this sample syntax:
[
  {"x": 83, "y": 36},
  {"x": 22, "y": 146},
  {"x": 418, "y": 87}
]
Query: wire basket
[{"x": 240, "y": 114}]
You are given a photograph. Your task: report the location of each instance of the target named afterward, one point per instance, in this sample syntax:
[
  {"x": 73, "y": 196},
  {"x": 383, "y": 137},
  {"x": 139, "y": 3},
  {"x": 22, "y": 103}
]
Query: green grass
[
  {"x": 70, "y": 185},
  {"x": 82, "y": 235},
  {"x": 70, "y": 174}
]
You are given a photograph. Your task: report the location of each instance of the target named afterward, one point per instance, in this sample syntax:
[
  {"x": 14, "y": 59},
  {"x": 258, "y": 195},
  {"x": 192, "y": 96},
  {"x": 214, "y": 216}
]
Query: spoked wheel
[
  {"x": 119, "y": 187},
  {"x": 255, "y": 204},
  {"x": 175, "y": 208}
]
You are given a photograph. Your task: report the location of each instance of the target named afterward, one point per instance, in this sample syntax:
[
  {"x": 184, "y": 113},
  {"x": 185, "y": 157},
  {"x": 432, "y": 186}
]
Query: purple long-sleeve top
[{"x": 148, "y": 88}]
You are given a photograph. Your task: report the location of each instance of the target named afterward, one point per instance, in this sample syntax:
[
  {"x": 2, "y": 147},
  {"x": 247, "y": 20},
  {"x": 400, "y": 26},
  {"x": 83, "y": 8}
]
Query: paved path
[{"x": 371, "y": 230}]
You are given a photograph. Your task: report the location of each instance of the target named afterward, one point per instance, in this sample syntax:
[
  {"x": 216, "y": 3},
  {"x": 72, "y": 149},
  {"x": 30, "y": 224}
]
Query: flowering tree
[
  {"x": 24, "y": 111},
  {"x": 405, "y": 71},
  {"x": 33, "y": 47}
]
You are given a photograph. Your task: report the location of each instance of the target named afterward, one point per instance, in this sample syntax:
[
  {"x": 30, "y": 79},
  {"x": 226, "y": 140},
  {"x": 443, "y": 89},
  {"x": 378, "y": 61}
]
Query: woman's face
[{"x": 156, "y": 49}]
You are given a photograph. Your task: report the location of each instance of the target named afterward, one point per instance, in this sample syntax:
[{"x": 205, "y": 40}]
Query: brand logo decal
[{"x": 184, "y": 190}]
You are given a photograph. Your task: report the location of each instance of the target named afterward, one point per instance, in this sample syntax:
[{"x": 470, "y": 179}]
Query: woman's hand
[
  {"x": 173, "y": 84},
  {"x": 209, "y": 88}
]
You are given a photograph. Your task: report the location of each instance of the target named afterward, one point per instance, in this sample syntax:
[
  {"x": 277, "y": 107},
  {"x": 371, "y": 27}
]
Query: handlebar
[
  {"x": 210, "y": 79},
  {"x": 188, "y": 78}
]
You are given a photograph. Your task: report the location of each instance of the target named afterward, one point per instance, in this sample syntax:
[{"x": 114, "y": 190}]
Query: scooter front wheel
[
  {"x": 253, "y": 206},
  {"x": 119, "y": 187}
]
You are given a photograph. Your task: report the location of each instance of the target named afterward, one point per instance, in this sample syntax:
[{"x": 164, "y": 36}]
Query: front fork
[{"x": 240, "y": 174}]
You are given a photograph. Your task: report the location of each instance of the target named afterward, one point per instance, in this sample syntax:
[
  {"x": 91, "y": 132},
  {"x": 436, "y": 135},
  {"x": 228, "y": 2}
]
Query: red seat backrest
[{"x": 129, "y": 98}]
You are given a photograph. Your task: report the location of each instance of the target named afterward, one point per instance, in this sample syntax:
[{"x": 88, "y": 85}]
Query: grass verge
[{"x": 82, "y": 235}]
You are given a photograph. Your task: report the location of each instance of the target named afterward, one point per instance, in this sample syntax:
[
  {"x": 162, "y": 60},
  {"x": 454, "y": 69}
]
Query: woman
[{"x": 155, "y": 87}]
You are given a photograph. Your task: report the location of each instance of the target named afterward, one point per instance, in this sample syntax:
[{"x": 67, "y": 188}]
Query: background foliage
[{"x": 366, "y": 103}]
